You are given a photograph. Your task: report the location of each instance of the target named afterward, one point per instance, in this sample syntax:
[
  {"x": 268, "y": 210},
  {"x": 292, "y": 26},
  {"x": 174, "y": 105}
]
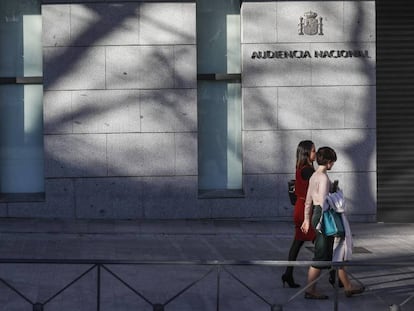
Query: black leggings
[{"x": 293, "y": 254}]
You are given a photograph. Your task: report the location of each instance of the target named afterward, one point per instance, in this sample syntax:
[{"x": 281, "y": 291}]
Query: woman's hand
[{"x": 305, "y": 226}]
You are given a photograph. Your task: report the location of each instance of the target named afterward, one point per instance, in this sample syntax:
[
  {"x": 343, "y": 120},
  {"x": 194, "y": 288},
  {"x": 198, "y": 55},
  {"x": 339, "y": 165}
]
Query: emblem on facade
[{"x": 310, "y": 25}]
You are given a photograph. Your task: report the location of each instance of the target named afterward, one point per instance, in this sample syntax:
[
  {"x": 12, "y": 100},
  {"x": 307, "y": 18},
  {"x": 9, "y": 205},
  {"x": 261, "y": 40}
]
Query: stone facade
[
  {"x": 120, "y": 108},
  {"x": 325, "y": 91}
]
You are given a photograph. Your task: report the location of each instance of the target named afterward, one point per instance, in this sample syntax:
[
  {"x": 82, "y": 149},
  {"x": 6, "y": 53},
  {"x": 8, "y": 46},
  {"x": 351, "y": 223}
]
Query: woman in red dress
[{"x": 305, "y": 156}]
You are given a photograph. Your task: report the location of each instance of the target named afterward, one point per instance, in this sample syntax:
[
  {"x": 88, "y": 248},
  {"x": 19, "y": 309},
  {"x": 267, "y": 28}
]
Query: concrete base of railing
[
  {"x": 38, "y": 307},
  {"x": 158, "y": 307}
]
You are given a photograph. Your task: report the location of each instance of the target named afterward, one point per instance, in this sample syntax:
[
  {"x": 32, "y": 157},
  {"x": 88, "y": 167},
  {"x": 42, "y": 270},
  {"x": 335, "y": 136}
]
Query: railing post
[
  {"x": 158, "y": 307},
  {"x": 38, "y": 307},
  {"x": 98, "y": 288},
  {"x": 276, "y": 308},
  {"x": 336, "y": 288},
  {"x": 218, "y": 288}
]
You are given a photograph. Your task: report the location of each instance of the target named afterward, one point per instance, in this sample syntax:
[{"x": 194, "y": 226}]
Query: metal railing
[{"x": 219, "y": 267}]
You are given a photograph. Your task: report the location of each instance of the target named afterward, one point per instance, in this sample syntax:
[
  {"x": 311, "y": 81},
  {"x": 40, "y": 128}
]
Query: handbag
[
  {"x": 332, "y": 224},
  {"x": 291, "y": 191}
]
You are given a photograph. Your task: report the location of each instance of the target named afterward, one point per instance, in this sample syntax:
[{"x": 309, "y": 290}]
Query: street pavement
[{"x": 55, "y": 264}]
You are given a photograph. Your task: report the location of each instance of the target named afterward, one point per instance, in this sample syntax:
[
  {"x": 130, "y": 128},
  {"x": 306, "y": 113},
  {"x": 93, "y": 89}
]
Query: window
[
  {"x": 21, "y": 91},
  {"x": 219, "y": 98}
]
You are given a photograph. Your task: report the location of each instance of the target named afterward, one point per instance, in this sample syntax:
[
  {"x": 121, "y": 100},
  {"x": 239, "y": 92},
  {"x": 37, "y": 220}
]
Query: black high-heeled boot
[
  {"x": 289, "y": 280},
  {"x": 287, "y": 277}
]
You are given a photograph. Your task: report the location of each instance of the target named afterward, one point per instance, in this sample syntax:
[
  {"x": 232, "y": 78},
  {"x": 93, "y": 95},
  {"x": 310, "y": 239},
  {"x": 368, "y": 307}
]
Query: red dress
[{"x": 301, "y": 187}]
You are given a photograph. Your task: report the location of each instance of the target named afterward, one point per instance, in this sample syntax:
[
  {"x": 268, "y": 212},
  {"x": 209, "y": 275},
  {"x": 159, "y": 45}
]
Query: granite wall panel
[{"x": 120, "y": 107}]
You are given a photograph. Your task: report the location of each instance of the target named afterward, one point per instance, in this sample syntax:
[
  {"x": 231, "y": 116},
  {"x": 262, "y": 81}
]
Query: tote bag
[{"x": 332, "y": 224}]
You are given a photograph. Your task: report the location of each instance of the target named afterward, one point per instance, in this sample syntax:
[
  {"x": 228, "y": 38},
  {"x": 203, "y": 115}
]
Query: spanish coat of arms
[{"x": 310, "y": 25}]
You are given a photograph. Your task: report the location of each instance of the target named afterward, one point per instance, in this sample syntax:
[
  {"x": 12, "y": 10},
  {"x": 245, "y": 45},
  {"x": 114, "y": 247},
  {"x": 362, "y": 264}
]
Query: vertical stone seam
[
  {"x": 75, "y": 203},
  {"x": 140, "y": 111},
  {"x": 71, "y": 113},
  {"x": 139, "y": 23},
  {"x": 70, "y": 24},
  {"x": 175, "y": 153},
  {"x": 105, "y": 69},
  {"x": 277, "y": 108},
  {"x": 174, "y": 69},
  {"x": 277, "y": 30},
  {"x": 106, "y": 154},
  {"x": 343, "y": 20}
]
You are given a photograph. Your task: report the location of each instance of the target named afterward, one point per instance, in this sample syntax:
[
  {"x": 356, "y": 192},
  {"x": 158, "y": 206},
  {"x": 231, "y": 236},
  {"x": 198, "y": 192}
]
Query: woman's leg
[
  {"x": 321, "y": 254},
  {"x": 343, "y": 276},
  {"x": 313, "y": 274},
  {"x": 311, "y": 292},
  {"x": 293, "y": 255},
  {"x": 350, "y": 290},
  {"x": 287, "y": 277}
]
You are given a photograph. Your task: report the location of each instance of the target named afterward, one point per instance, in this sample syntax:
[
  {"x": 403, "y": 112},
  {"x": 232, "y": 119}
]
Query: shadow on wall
[
  {"x": 94, "y": 120},
  {"x": 365, "y": 142},
  {"x": 341, "y": 115},
  {"x": 119, "y": 103}
]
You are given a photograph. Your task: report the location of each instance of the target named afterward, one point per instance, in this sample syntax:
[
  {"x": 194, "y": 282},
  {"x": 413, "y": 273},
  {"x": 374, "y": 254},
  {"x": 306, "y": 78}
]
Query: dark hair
[
  {"x": 303, "y": 153},
  {"x": 324, "y": 155}
]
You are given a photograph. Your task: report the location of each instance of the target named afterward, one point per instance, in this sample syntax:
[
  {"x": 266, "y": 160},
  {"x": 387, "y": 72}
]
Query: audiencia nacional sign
[{"x": 310, "y": 54}]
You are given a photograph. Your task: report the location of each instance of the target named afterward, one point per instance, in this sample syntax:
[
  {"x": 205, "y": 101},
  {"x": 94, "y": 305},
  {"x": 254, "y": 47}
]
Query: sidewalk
[{"x": 201, "y": 240}]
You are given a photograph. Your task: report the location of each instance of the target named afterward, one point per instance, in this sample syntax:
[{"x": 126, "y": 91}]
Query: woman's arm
[{"x": 308, "y": 207}]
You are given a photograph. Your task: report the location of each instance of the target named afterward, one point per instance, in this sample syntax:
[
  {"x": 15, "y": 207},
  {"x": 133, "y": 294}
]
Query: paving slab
[{"x": 141, "y": 264}]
